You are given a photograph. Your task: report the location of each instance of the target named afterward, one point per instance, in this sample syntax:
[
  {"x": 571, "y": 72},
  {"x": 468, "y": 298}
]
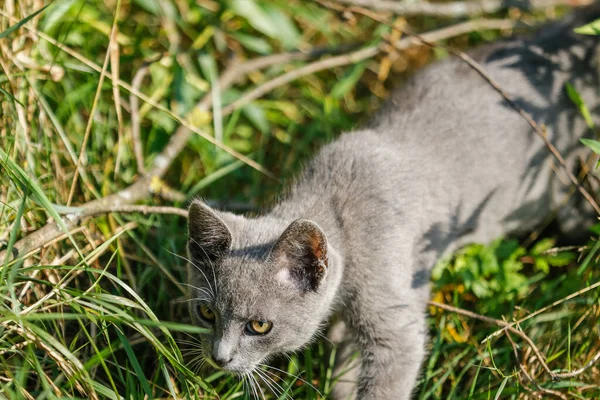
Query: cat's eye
[
  {"x": 256, "y": 327},
  {"x": 206, "y": 313}
]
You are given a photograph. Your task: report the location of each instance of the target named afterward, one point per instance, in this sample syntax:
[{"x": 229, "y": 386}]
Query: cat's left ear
[
  {"x": 300, "y": 254},
  {"x": 209, "y": 238}
]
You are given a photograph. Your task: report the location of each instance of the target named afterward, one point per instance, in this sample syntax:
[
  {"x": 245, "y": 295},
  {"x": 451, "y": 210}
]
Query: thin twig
[
  {"x": 524, "y": 371},
  {"x": 453, "y": 9},
  {"x": 135, "y": 118}
]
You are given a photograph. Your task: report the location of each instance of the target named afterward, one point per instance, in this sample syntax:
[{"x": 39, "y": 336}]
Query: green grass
[{"x": 101, "y": 311}]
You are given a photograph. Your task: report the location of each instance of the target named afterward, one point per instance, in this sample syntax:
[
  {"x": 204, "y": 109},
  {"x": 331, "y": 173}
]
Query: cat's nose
[{"x": 220, "y": 360}]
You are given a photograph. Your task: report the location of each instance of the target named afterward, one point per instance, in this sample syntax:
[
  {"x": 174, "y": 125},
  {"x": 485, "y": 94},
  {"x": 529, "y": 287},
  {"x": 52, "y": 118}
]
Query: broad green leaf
[
  {"x": 269, "y": 20},
  {"x": 287, "y": 32},
  {"x": 541, "y": 264},
  {"x": 561, "y": 259},
  {"x": 256, "y": 16},
  {"x": 593, "y": 144},
  {"x": 481, "y": 290},
  {"x": 56, "y": 13},
  {"x": 593, "y": 28},
  {"x": 542, "y": 246},
  {"x": 257, "y": 116},
  {"x": 253, "y": 43}
]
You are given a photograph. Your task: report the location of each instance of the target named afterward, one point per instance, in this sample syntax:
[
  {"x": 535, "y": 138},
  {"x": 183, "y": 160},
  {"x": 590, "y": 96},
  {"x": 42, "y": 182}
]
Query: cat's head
[{"x": 262, "y": 286}]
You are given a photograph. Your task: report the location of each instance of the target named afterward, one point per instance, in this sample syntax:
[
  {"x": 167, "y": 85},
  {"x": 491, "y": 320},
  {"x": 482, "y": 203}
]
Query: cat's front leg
[{"x": 392, "y": 350}]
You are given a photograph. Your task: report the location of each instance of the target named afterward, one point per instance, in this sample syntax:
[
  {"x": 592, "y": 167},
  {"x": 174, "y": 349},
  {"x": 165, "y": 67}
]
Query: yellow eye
[
  {"x": 258, "y": 327},
  {"x": 206, "y": 313}
]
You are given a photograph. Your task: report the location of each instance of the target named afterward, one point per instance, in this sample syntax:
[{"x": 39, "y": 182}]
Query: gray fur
[{"x": 445, "y": 162}]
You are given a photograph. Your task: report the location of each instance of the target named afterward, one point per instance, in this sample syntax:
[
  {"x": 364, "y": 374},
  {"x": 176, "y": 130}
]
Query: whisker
[
  {"x": 212, "y": 265},
  {"x": 293, "y": 376},
  {"x": 321, "y": 335},
  {"x": 266, "y": 378},
  {"x": 262, "y": 377},
  {"x": 189, "y": 342},
  {"x": 252, "y": 384},
  {"x": 208, "y": 299},
  {"x": 196, "y": 266},
  {"x": 201, "y": 290},
  {"x": 197, "y": 363},
  {"x": 259, "y": 388}
]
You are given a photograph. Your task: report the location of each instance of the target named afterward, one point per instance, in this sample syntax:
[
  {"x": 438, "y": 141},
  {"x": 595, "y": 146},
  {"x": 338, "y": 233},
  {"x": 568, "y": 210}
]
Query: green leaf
[
  {"x": 257, "y": 116},
  {"x": 152, "y": 6},
  {"x": 21, "y": 23},
  {"x": 578, "y": 101},
  {"x": 505, "y": 249},
  {"x": 268, "y": 20},
  {"x": 561, "y": 259},
  {"x": 515, "y": 280},
  {"x": 256, "y": 16},
  {"x": 58, "y": 12},
  {"x": 285, "y": 28},
  {"x": 480, "y": 289},
  {"x": 593, "y": 144},
  {"x": 593, "y": 28},
  {"x": 541, "y": 264},
  {"x": 349, "y": 81},
  {"x": 501, "y": 388},
  {"x": 11, "y": 97},
  {"x": 134, "y": 362},
  {"x": 253, "y": 43},
  {"x": 542, "y": 246}
]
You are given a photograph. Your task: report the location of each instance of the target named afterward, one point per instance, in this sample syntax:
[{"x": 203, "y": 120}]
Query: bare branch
[
  {"x": 453, "y": 9},
  {"x": 125, "y": 208}
]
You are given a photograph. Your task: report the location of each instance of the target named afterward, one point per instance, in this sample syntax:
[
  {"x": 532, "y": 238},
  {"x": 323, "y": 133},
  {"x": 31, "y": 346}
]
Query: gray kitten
[{"x": 445, "y": 162}]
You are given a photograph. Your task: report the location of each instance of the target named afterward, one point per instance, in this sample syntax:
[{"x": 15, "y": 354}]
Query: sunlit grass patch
[{"x": 99, "y": 309}]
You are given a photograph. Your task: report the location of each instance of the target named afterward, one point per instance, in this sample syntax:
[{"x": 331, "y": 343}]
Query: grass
[{"x": 100, "y": 312}]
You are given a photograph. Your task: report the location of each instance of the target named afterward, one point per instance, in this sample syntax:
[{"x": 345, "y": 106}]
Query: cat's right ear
[
  {"x": 301, "y": 255},
  {"x": 209, "y": 238}
]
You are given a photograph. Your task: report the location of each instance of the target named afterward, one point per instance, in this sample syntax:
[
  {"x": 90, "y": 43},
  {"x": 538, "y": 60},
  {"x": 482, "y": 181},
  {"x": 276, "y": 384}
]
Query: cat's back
[{"x": 448, "y": 147}]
